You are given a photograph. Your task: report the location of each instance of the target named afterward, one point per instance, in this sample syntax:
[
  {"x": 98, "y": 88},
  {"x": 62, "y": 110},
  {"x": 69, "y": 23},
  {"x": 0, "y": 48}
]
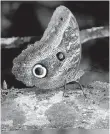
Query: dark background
[
  {"x": 31, "y": 18},
  {"x": 20, "y": 18}
]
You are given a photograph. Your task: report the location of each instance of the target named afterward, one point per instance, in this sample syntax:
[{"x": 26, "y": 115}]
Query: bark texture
[{"x": 31, "y": 108}]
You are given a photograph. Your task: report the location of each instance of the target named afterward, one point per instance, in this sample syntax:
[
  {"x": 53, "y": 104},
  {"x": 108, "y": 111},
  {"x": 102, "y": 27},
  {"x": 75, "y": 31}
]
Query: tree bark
[{"x": 32, "y": 108}]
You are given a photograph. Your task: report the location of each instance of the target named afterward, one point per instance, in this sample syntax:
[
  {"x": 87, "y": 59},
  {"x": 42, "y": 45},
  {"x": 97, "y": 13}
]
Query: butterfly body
[{"x": 55, "y": 58}]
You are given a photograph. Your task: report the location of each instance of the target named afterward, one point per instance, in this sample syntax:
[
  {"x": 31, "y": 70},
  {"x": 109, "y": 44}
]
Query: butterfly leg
[
  {"x": 81, "y": 88},
  {"x": 64, "y": 93},
  {"x": 73, "y": 82}
]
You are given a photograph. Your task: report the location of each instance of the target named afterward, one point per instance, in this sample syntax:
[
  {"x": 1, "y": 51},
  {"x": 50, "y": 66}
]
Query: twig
[
  {"x": 94, "y": 33},
  {"x": 17, "y": 42},
  {"x": 85, "y": 35}
]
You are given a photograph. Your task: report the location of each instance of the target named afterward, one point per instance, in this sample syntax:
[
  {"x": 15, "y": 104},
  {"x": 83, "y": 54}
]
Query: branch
[
  {"x": 85, "y": 35},
  {"x": 31, "y": 108},
  {"x": 17, "y": 42},
  {"x": 94, "y": 33}
]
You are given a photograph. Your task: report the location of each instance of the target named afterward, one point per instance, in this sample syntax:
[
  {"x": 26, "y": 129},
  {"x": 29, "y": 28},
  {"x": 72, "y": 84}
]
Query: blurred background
[{"x": 19, "y": 18}]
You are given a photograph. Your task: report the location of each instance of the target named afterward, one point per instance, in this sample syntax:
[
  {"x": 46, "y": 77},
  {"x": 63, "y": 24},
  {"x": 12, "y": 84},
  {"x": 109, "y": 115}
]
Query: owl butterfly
[{"x": 47, "y": 63}]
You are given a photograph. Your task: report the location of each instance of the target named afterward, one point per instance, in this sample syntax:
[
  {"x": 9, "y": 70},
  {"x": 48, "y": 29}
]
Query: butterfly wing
[{"x": 59, "y": 52}]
